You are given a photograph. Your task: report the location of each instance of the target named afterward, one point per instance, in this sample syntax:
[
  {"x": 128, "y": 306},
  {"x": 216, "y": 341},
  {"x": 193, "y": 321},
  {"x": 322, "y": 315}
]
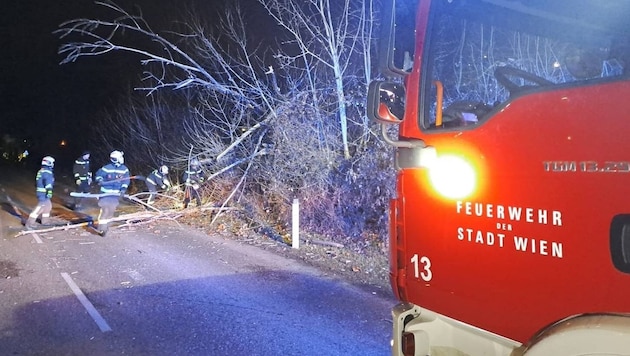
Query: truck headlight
[{"x": 452, "y": 177}]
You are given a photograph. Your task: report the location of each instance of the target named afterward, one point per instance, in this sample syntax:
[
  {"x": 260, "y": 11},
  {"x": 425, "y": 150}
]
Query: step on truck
[{"x": 510, "y": 228}]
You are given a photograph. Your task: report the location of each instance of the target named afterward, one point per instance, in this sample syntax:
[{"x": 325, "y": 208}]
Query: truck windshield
[{"x": 485, "y": 52}]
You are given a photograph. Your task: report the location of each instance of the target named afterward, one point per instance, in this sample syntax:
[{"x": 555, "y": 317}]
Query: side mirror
[{"x": 386, "y": 102}]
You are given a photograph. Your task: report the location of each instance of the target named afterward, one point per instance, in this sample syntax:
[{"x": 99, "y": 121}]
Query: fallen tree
[{"x": 129, "y": 219}]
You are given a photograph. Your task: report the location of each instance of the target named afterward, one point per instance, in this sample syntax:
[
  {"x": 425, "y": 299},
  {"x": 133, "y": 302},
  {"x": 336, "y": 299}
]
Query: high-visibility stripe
[
  {"x": 115, "y": 170},
  {"x": 35, "y": 213}
]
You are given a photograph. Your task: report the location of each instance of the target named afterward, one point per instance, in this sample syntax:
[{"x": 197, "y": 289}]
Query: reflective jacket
[
  {"x": 158, "y": 179},
  {"x": 193, "y": 177},
  {"x": 44, "y": 181},
  {"x": 113, "y": 178},
  {"x": 81, "y": 169}
]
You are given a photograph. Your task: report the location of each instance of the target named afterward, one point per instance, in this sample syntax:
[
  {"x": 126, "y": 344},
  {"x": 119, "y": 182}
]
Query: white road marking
[
  {"x": 37, "y": 239},
  {"x": 102, "y": 324}
]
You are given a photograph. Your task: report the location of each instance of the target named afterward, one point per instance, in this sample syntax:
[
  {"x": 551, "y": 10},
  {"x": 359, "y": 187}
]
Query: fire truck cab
[{"x": 510, "y": 228}]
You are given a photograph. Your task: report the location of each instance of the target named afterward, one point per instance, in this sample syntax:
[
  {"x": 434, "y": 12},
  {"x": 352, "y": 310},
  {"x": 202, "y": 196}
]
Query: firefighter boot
[
  {"x": 102, "y": 229},
  {"x": 45, "y": 220},
  {"x": 31, "y": 223}
]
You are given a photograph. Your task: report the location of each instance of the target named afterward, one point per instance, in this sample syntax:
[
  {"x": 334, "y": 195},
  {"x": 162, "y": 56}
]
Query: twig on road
[{"x": 326, "y": 243}]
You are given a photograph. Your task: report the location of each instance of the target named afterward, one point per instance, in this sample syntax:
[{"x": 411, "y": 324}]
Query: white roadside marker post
[{"x": 295, "y": 224}]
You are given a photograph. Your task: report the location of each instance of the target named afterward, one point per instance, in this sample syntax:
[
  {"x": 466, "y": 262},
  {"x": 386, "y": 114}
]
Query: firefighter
[
  {"x": 157, "y": 178},
  {"x": 193, "y": 177},
  {"x": 44, "y": 181},
  {"x": 82, "y": 175},
  {"x": 114, "y": 181}
]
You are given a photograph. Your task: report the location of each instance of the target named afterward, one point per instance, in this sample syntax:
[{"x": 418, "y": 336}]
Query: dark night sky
[{"x": 40, "y": 99}]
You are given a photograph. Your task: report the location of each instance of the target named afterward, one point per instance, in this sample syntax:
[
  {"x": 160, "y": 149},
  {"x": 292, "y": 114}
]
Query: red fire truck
[{"x": 510, "y": 229}]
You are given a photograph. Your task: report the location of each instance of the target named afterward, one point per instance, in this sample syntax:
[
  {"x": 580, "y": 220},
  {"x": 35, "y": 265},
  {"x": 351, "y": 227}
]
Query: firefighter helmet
[
  {"x": 164, "y": 169},
  {"x": 194, "y": 162},
  {"x": 48, "y": 161},
  {"x": 117, "y": 157}
]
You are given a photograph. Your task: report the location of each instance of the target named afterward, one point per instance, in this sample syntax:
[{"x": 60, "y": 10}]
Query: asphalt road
[{"x": 165, "y": 289}]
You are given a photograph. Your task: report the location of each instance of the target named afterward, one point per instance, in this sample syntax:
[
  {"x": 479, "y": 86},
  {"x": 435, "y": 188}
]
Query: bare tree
[
  {"x": 267, "y": 131},
  {"x": 170, "y": 66},
  {"x": 234, "y": 84},
  {"x": 332, "y": 34},
  {"x": 149, "y": 126}
]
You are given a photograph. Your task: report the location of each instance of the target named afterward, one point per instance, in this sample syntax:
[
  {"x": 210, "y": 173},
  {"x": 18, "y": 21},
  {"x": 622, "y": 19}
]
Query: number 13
[{"x": 426, "y": 273}]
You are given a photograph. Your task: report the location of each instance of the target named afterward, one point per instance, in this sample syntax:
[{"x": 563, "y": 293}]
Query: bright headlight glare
[
  {"x": 428, "y": 157},
  {"x": 452, "y": 177}
]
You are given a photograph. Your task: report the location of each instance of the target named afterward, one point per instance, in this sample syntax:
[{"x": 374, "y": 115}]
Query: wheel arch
[{"x": 597, "y": 334}]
